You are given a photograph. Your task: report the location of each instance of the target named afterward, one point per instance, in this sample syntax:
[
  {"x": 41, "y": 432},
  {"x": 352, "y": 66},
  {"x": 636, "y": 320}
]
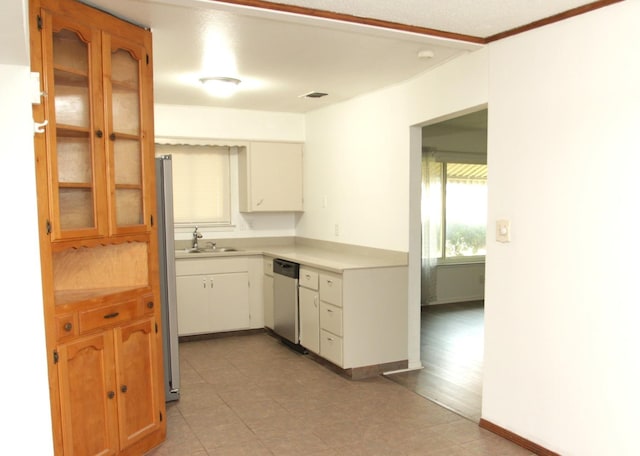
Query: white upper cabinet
[{"x": 270, "y": 177}]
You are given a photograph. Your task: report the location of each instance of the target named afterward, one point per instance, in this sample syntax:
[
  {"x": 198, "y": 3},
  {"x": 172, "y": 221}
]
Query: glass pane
[
  {"x": 71, "y": 63},
  {"x": 128, "y": 207},
  {"x": 466, "y": 209},
  {"x": 76, "y": 208},
  {"x": 74, "y": 160},
  {"x": 125, "y": 92},
  {"x": 127, "y": 162},
  {"x": 72, "y": 104},
  {"x": 124, "y": 68},
  {"x": 70, "y": 51},
  {"x": 126, "y": 111}
]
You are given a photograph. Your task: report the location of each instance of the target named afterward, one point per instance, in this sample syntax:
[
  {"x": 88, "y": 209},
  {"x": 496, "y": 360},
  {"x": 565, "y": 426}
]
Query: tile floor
[{"x": 251, "y": 395}]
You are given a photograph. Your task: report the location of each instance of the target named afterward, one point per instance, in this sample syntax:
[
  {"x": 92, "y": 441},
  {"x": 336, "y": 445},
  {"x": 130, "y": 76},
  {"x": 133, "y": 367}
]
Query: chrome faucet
[{"x": 196, "y": 236}]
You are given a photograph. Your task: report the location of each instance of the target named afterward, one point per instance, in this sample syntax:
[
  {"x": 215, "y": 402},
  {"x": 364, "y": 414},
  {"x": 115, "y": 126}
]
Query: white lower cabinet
[
  {"x": 309, "y": 304},
  {"x": 331, "y": 343},
  {"x": 212, "y": 302},
  {"x": 331, "y": 318},
  {"x": 331, "y": 347},
  {"x": 267, "y": 292}
]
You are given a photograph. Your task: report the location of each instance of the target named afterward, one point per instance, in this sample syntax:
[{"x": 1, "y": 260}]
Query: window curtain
[{"x": 431, "y": 213}]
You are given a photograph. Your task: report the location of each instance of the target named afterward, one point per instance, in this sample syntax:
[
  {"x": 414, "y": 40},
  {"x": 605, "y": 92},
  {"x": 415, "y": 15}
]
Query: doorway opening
[{"x": 453, "y": 217}]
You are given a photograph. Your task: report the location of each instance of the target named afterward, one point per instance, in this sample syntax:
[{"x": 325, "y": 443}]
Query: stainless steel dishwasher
[{"x": 285, "y": 297}]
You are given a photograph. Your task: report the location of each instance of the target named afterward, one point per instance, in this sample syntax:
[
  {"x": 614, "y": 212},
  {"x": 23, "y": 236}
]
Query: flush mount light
[{"x": 222, "y": 87}]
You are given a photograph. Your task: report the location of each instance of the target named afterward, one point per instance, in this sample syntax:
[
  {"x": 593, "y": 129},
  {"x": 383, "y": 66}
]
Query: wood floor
[{"x": 451, "y": 350}]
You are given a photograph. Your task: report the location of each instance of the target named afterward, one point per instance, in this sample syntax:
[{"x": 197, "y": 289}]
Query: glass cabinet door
[
  {"x": 74, "y": 163},
  {"x": 126, "y": 145}
]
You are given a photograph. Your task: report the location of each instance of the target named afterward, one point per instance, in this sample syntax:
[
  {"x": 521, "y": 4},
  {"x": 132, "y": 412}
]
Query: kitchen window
[
  {"x": 201, "y": 184},
  {"x": 454, "y": 208}
]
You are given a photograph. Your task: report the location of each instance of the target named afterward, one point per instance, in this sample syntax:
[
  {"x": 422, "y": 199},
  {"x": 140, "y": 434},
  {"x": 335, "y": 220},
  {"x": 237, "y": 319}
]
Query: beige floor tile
[{"x": 251, "y": 395}]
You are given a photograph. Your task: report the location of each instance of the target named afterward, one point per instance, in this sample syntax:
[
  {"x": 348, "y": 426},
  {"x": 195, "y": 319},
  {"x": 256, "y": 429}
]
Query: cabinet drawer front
[
  {"x": 147, "y": 305},
  {"x": 331, "y": 347},
  {"x": 268, "y": 266},
  {"x": 308, "y": 278},
  {"x": 191, "y": 266},
  {"x": 331, "y": 289},
  {"x": 108, "y": 315},
  {"x": 331, "y": 318},
  {"x": 66, "y": 326}
]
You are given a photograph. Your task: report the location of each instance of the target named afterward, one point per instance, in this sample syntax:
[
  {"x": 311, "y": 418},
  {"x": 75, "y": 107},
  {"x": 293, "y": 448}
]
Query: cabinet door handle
[
  {"x": 111, "y": 394},
  {"x": 68, "y": 326},
  {"x": 123, "y": 388},
  {"x": 150, "y": 305},
  {"x": 112, "y": 315},
  {"x": 99, "y": 133},
  {"x": 112, "y": 136},
  {"x": 329, "y": 310}
]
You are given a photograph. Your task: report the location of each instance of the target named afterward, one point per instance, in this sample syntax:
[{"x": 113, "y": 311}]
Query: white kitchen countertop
[{"x": 320, "y": 254}]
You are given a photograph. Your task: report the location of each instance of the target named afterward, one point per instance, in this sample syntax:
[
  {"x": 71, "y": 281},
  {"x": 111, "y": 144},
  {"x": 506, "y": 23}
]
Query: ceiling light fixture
[{"x": 222, "y": 87}]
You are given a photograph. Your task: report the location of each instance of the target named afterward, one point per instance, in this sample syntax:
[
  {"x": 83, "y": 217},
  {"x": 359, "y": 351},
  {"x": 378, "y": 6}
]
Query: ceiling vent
[{"x": 314, "y": 95}]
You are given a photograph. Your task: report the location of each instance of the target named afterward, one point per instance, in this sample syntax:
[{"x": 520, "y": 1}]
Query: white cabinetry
[
  {"x": 309, "y": 303},
  {"x": 331, "y": 343},
  {"x": 267, "y": 290},
  {"x": 213, "y": 295},
  {"x": 270, "y": 177},
  {"x": 358, "y": 317}
]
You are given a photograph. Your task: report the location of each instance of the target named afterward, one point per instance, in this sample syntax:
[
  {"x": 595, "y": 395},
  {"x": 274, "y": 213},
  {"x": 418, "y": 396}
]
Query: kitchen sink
[{"x": 210, "y": 250}]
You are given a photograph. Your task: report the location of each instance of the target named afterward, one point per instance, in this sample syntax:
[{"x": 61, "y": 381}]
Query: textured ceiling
[
  {"x": 281, "y": 55},
  {"x": 480, "y": 18}
]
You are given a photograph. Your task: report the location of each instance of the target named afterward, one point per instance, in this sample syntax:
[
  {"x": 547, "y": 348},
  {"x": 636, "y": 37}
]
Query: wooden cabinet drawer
[
  {"x": 331, "y": 289},
  {"x": 108, "y": 315},
  {"x": 66, "y": 326},
  {"x": 331, "y": 318},
  {"x": 331, "y": 347},
  {"x": 308, "y": 278},
  {"x": 147, "y": 305}
]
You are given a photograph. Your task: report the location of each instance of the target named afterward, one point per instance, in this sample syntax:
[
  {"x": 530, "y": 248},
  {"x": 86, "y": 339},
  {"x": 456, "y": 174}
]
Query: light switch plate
[{"x": 503, "y": 230}]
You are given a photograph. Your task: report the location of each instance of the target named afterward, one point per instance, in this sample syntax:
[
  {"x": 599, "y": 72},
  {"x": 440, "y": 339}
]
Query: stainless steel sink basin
[{"x": 210, "y": 250}]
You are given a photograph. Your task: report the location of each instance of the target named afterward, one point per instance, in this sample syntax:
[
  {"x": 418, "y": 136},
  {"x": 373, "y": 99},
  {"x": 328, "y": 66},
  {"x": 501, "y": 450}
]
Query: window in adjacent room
[
  {"x": 465, "y": 209},
  {"x": 454, "y": 209},
  {"x": 201, "y": 184}
]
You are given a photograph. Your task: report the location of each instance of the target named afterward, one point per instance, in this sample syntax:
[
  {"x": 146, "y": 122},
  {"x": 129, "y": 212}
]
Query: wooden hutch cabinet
[{"x": 98, "y": 243}]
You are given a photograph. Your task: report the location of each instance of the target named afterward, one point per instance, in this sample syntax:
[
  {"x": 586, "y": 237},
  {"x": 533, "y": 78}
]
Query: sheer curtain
[{"x": 431, "y": 212}]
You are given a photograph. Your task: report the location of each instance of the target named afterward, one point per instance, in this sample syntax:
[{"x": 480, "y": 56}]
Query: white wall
[
  {"x": 363, "y": 158},
  {"x": 562, "y": 311},
  {"x": 25, "y": 411},
  {"x": 357, "y": 154},
  {"x": 198, "y": 122}
]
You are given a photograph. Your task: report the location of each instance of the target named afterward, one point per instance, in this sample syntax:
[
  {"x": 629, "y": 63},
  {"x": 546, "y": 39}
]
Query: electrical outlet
[{"x": 336, "y": 230}]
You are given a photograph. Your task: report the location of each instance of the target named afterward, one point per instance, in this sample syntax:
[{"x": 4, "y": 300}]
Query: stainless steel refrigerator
[{"x": 166, "y": 255}]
